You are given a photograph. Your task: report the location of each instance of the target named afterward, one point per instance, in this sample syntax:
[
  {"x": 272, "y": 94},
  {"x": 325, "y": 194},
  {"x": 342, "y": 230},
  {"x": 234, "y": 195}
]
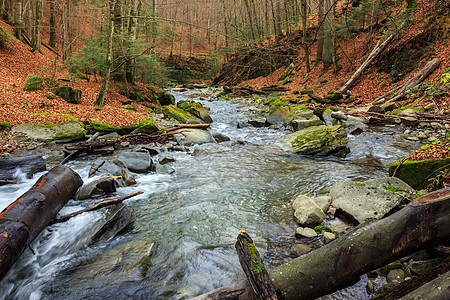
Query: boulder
[
  {"x": 299, "y": 124},
  {"x": 372, "y": 199},
  {"x": 153, "y": 151},
  {"x": 417, "y": 173},
  {"x": 70, "y": 131},
  {"x": 258, "y": 123},
  {"x": 276, "y": 116},
  {"x": 317, "y": 140},
  {"x": 307, "y": 212},
  {"x": 389, "y": 106},
  {"x": 166, "y": 158},
  {"x": 197, "y": 109},
  {"x": 148, "y": 126},
  {"x": 104, "y": 127},
  {"x": 96, "y": 187},
  {"x": 68, "y": 93},
  {"x": 165, "y": 98},
  {"x": 194, "y": 137},
  {"x": 138, "y": 162},
  {"x": 112, "y": 168},
  {"x": 174, "y": 112},
  {"x": 12, "y": 167},
  {"x": 323, "y": 202}
]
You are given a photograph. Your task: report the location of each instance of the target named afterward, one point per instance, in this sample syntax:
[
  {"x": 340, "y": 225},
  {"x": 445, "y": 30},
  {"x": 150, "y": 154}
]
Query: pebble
[
  {"x": 422, "y": 135},
  {"x": 329, "y": 236},
  {"x": 305, "y": 232}
]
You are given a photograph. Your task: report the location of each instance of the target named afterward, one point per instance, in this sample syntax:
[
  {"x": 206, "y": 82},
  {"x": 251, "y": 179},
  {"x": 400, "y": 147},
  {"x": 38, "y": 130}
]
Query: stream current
[{"x": 188, "y": 221}]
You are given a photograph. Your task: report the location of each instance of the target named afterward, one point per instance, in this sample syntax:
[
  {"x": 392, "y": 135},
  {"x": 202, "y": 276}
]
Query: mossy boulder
[
  {"x": 179, "y": 114},
  {"x": 4, "y": 126},
  {"x": 148, "y": 126},
  {"x": 70, "y": 131},
  {"x": 418, "y": 174},
  {"x": 104, "y": 127},
  {"x": 318, "y": 140},
  {"x": 197, "y": 109},
  {"x": 165, "y": 98},
  {"x": 333, "y": 96},
  {"x": 68, "y": 93}
]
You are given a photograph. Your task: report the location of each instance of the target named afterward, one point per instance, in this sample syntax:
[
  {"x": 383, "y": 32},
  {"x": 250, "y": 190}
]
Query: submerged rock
[
  {"x": 371, "y": 199},
  {"x": 97, "y": 187},
  {"x": 317, "y": 140},
  {"x": 194, "y": 136}
]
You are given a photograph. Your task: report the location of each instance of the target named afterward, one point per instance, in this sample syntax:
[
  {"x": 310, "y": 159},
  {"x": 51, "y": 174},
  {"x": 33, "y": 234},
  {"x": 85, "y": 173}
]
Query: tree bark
[
  {"x": 305, "y": 30},
  {"x": 320, "y": 32},
  {"x": 23, "y": 220},
  {"x": 423, "y": 222},
  {"x": 29, "y": 165},
  {"x": 52, "y": 24}
]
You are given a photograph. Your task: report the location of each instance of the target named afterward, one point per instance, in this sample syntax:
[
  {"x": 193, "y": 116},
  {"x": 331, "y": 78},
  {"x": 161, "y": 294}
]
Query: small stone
[
  {"x": 430, "y": 107},
  {"x": 432, "y": 139},
  {"x": 396, "y": 276},
  {"x": 370, "y": 288},
  {"x": 412, "y": 138},
  {"x": 305, "y": 232},
  {"x": 167, "y": 146},
  {"x": 372, "y": 275},
  {"x": 328, "y": 236},
  {"x": 300, "y": 249},
  {"x": 332, "y": 210},
  {"x": 124, "y": 144},
  {"x": 435, "y": 125},
  {"x": 422, "y": 135},
  {"x": 407, "y": 131},
  {"x": 410, "y": 121}
]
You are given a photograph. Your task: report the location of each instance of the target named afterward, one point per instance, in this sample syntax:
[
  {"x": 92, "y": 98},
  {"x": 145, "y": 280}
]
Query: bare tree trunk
[
  {"x": 305, "y": 42},
  {"x": 328, "y": 55},
  {"x": 23, "y": 220},
  {"x": 36, "y": 37},
  {"x": 132, "y": 32},
  {"x": 18, "y": 19},
  {"x": 320, "y": 32},
  {"x": 52, "y": 24},
  {"x": 100, "y": 101}
]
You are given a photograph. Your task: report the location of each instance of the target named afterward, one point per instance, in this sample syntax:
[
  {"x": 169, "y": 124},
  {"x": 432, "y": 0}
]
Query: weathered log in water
[
  {"x": 425, "y": 221},
  {"x": 23, "y": 220},
  {"x": 29, "y": 165}
]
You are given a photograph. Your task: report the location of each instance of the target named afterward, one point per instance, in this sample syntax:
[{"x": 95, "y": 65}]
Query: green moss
[
  {"x": 148, "y": 126},
  {"x": 5, "y": 126},
  {"x": 360, "y": 184},
  {"x": 333, "y": 95},
  {"x": 419, "y": 109},
  {"x": 106, "y": 128},
  {"x": 70, "y": 135},
  {"x": 418, "y": 174},
  {"x": 386, "y": 269},
  {"x": 68, "y": 93},
  {"x": 321, "y": 140},
  {"x": 171, "y": 111},
  {"x": 129, "y": 107},
  {"x": 321, "y": 228},
  {"x": 35, "y": 82},
  {"x": 144, "y": 264},
  {"x": 394, "y": 189}
]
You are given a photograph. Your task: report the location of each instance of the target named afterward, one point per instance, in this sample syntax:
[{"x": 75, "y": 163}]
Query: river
[{"x": 190, "y": 219}]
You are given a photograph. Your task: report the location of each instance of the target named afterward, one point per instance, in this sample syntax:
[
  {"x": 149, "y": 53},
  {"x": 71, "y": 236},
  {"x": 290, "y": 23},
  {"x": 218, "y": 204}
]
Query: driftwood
[
  {"x": 253, "y": 268},
  {"x": 30, "y": 165},
  {"x": 78, "y": 152},
  {"x": 191, "y": 126},
  {"x": 416, "y": 80},
  {"x": 23, "y": 220},
  {"x": 423, "y": 222},
  {"x": 5, "y": 182},
  {"x": 96, "y": 206}
]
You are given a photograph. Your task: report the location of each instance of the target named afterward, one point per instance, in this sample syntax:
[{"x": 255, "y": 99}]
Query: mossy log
[
  {"x": 425, "y": 221},
  {"x": 23, "y": 220}
]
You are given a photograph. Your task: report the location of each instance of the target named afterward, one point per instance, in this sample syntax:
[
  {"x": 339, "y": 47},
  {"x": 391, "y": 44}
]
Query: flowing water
[{"x": 188, "y": 221}]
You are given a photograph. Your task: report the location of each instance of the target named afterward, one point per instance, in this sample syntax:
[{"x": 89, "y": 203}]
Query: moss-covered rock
[
  {"x": 70, "y": 131},
  {"x": 197, "y": 109},
  {"x": 68, "y": 93},
  {"x": 419, "y": 174},
  {"x": 4, "y": 126},
  {"x": 104, "y": 127},
  {"x": 165, "y": 98},
  {"x": 318, "y": 140},
  {"x": 418, "y": 109},
  {"x": 148, "y": 126},
  {"x": 174, "y": 112},
  {"x": 333, "y": 96}
]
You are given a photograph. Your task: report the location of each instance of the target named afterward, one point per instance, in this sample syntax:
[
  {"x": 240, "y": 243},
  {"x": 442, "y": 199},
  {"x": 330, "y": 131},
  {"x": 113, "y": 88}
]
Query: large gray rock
[
  {"x": 112, "y": 168},
  {"x": 307, "y": 212},
  {"x": 299, "y": 124},
  {"x": 317, "y": 140},
  {"x": 276, "y": 116},
  {"x": 323, "y": 202},
  {"x": 69, "y": 131},
  {"x": 372, "y": 199},
  {"x": 138, "y": 162},
  {"x": 96, "y": 187},
  {"x": 194, "y": 136}
]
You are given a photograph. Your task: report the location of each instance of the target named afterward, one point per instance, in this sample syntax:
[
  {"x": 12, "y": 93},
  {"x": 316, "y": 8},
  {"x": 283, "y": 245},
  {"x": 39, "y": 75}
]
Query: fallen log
[
  {"x": 253, "y": 268},
  {"x": 96, "y": 206},
  {"x": 423, "y": 222},
  {"x": 23, "y": 220},
  {"x": 29, "y": 165},
  {"x": 191, "y": 126},
  {"x": 75, "y": 153},
  {"x": 417, "y": 79}
]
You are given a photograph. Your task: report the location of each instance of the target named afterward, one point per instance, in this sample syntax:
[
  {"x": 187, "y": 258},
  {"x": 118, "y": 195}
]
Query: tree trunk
[
  {"x": 100, "y": 101},
  {"x": 418, "y": 78},
  {"x": 305, "y": 42},
  {"x": 18, "y": 19},
  {"x": 36, "y": 36},
  {"x": 423, "y": 222},
  {"x": 23, "y": 220},
  {"x": 52, "y": 24},
  {"x": 329, "y": 50},
  {"x": 374, "y": 54},
  {"x": 132, "y": 32},
  {"x": 320, "y": 32},
  {"x": 29, "y": 165}
]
